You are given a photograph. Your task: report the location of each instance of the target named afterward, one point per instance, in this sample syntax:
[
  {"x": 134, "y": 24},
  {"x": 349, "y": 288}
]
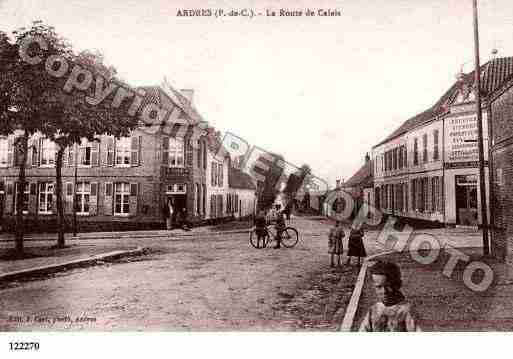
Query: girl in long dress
[{"x": 355, "y": 244}]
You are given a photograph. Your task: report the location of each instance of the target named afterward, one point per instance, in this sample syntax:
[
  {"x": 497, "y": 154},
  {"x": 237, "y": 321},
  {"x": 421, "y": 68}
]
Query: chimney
[
  {"x": 188, "y": 93},
  {"x": 367, "y": 157}
]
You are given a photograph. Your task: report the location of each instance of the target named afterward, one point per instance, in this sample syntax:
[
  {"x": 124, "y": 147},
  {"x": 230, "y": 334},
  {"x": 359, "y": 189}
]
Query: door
[{"x": 466, "y": 200}]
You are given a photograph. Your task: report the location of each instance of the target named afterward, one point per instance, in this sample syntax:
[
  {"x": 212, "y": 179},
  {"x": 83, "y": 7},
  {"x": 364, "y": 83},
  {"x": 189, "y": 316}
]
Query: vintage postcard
[{"x": 255, "y": 166}]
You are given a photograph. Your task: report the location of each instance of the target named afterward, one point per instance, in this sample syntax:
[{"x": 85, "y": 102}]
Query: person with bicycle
[
  {"x": 280, "y": 226},
  {"x": 261, "y": 228}
]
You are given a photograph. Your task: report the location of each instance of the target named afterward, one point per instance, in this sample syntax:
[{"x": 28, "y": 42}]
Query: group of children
[{"x": 355, "y": 243}]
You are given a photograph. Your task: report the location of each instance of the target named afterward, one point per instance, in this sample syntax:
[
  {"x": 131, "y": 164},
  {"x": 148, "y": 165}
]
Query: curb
[
  {"x": 352, "y": 307},
  {"x": 134, "y": 235},
  {"x": 49, "y": 269}
]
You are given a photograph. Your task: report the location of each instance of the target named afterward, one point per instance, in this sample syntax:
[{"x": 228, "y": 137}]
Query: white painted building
[{"x": 428, "y": 168}]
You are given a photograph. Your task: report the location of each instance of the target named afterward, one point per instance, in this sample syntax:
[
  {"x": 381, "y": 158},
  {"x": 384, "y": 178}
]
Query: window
[
  {"x": 46, "y": 197},
  {"x": 176, "y": 152},
  {"x": 4, "y": 148},
  {"x": 400, "y": 157},
  {"x": 123, "y": 152},
  {"x": 415, "y": 152},
  {"x": 47, "y": 152},
  {"x": 24, "y": 198},
  {"x": 435, "y": 145},
  {"x": 424, "y": 142},
  {"x": 122, "y": 199},
  {"x": 83, "y": 197},
  {"x": 405, "y": 158},
  {"x": 85, "y": 153},
  {"x": 395, "y": 158}
]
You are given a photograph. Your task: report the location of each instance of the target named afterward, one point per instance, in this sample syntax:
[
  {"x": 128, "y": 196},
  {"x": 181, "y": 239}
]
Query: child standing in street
[
  {"x": 391, "y": 313},
  {"x": 355, "y": 243},
  {"x": 335, "y": 247}
]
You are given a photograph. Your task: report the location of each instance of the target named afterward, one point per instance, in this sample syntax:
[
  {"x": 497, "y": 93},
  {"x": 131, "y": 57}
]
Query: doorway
[{"x": 466, "y": 200}]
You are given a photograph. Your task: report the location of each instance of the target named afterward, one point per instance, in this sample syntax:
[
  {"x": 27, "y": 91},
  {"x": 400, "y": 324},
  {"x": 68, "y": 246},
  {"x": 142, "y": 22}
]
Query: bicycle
[{"x": 289, "y": 237}]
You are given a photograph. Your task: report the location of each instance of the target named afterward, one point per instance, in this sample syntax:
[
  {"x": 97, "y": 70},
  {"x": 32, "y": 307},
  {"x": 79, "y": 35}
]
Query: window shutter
[
  {"x": 221, "y": 174},
  {"x": 110, "y": 151},
  {"x": 10, "y": 151},
  {"x": 441, "y": 195},
  {"x": 9, "y": 197},
  {"x": 35, "y": 153},
  {"x": 40, "y": 151},
  {"x": 95, "y": 153},
  {"x": 30, "y": 145},
  {"x": 65, "y": 157},
  {"x": 108, "y": 209},
  {"x": 135, "y": 150},
  {"x": 68, "y": 198},
  {"x": 165, "y": 150},
  {"x": 93, "y": 199},
  {"x": 32, "y": 203},
  {"x": 133, "y": 199},
  {"x": 212, "y": 171},
  {"x": 204, "y": 155},
  {"x": 70, "y": 156},
  {"x": 133, "y": 189}
]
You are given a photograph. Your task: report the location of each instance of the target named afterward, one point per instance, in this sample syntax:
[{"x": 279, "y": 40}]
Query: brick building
[
  {"x": 501, "y": 130},
  {"x": 427, "y": 169},
  {"x": 121, "y": 183}
]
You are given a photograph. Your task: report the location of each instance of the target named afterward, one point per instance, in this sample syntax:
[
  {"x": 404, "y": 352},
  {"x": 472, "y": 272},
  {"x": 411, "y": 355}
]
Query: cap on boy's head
[
  {"x": 390, "y": 270},
  {"x": 338, "y": 222}
]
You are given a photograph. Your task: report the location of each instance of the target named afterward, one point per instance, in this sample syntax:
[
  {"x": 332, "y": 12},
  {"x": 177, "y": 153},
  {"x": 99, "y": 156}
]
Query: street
[{"x": 202, "y": 283}]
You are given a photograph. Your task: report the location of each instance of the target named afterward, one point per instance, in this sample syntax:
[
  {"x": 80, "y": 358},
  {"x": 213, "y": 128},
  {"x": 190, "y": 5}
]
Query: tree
[
  {"x": 43, "y": 106},
  {"x": 20, "y": 98},
  {"x": 266, "y": 190},
  {"x": 70, "y": 118}
]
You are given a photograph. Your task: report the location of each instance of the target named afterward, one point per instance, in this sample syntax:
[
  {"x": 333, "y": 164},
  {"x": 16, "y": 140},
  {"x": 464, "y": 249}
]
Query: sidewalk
[
  {"x": 9, "y": 237},
  {"x": 39, "y": 257},
  {"x": 447, "y": 304}
]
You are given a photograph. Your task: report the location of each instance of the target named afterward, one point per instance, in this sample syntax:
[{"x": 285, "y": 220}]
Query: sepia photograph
[{"x": 255, "y": 167}]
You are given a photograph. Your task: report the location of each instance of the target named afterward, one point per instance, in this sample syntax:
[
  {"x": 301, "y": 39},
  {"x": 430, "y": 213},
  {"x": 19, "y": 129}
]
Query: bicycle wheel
[
  {"x": 289, "y": 237},
  {"x": 253, "y": 239}
]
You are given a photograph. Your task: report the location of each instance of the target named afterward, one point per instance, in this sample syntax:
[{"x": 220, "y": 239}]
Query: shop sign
[{"x": 461, "y": 139}]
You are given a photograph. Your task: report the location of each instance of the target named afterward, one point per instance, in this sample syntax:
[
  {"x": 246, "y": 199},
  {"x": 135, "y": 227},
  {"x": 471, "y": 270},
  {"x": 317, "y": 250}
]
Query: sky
[{"x": 318, "y": 90}]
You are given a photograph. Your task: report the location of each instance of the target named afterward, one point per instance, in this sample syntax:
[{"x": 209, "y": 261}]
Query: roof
[
  {"x": 493, "y": 75},
  {"x": 169, "y": 98},
  {"x": 157, "y": 95},
  {"x": 240, "y": 180},
  {"x": 362, "y": 177}
]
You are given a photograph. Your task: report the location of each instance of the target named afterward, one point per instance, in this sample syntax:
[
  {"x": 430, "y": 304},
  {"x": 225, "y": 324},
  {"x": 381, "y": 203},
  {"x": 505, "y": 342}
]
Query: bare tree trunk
[
  {"x": 58, "y": 190},
  {"x": 21, "y": 149}
]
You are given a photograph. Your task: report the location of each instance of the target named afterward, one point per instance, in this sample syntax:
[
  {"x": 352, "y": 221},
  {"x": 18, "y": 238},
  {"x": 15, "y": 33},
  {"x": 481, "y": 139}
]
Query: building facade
[
  {"x": 428, "y": 168},
  {"x": 120, "y": 182},
  {"x": 501, "y": 123}
]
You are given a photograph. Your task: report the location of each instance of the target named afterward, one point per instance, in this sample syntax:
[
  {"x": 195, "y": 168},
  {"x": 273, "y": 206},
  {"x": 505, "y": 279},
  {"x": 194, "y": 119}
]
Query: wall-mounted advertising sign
[{"x": 461, "y": 139}]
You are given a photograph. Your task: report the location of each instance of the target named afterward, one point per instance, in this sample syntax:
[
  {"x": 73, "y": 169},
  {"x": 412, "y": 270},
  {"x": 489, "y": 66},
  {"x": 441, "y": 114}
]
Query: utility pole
[{"x": 477, "y": 81}]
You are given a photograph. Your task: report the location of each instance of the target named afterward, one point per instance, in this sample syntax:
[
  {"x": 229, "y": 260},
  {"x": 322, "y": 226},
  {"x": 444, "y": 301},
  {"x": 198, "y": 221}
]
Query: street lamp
[{"x": 477, "y": 81}]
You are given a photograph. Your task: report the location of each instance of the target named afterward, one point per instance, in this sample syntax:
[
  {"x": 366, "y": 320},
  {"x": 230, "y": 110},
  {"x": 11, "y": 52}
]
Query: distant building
[{"x": 360, "y": 185}]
